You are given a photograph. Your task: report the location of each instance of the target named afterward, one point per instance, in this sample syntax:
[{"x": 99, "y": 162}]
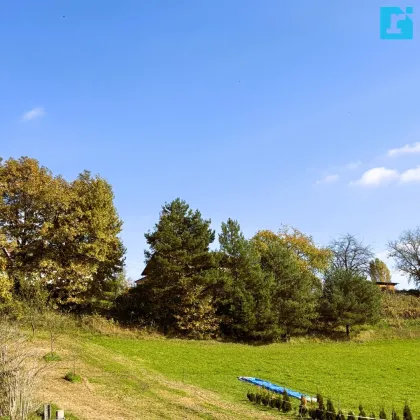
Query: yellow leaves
[{"x": 308, "y": 255}]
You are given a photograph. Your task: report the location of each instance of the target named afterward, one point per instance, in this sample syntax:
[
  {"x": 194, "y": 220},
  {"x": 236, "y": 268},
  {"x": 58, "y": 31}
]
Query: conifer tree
[
  {"x": 407, "y": 413},
  {"x": 177, "y": 261}
]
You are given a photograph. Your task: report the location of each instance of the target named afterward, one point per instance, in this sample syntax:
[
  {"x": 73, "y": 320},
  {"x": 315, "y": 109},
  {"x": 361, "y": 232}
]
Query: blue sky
[{"x": 269, "y": 112}]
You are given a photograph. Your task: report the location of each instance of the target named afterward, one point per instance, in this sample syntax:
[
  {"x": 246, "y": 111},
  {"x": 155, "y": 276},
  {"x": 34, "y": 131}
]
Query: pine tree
[
  {"x": 351, "y": 416},
  {"x": 177, "y": 262},
  {"x": 382, "y": 414},
  {"x": 394, "y": 415},
  {"x": 407, "y": 413},
  {"x": 286, "y": 405},
  {"x": 330, "y": 415},
  {"x": 349, "y": 299},
  {"x": 362, "y": 412}
]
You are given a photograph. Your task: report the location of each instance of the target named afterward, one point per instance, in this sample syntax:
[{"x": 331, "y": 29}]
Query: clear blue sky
[{"x": 263, "y": 111}]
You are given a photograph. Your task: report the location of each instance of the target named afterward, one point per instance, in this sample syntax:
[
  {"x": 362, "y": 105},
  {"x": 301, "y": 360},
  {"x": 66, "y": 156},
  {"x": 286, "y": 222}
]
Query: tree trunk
[{"x": 348, "y": 330}]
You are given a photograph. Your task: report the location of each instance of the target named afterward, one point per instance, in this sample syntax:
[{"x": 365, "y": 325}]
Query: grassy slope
[
  {"x": 374, "y": 373},
  {"x": 157, "y": 378}
]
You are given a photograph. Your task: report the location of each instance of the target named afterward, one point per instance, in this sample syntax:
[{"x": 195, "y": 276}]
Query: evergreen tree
[
  {"x": 330, "y": 415},
  {"x": 407, "y": 413},
  {"x": 394, "y": 415},
  {"x": 294, "y": 291},
  {"x": 244, "y": 300},
  {"x": 286, "y": 405},
  {"x": 349, "y": 299},
  {"x": 177, "y": 261},
  {"x": 382, "y": 414},
  {"x": 362, "y": 412}
]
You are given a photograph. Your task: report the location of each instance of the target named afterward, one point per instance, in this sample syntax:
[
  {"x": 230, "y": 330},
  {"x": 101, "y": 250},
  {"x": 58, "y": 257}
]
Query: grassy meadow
[{"x": 170, "y": 378}]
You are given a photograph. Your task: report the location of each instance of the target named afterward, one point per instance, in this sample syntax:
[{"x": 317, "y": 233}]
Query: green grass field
[{"x": 382, "y": 373}]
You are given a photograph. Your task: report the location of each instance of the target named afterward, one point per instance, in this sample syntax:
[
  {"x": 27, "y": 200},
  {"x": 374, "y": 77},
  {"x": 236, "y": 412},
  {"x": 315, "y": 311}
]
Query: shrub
[
  {"x": 330, "y": 415},
  {"x": 278, "y": 403},
  {"x": 362, "y": 412},
  {"x": 407, "y": 413},
  {"x": 382, "y": 414},
  {"x": 340, "y": 416},
  {"x": 72, "y": 377},
  {"x": 351, "y": 416},
  {"x": 303, "y": 409},
  {"x": 286, "y": 405},
  {"x": 394, "y": 415},
  {"x": 52, "y": 357},
  {"x": 251, "y": 396},
  {"x": 372, "y": 415},
  {"x": 258, "y": 398},
  {"x": 320, "y": 411},
  {"x": 272, "y": 402},
  {"x": 265, "y": 398}
]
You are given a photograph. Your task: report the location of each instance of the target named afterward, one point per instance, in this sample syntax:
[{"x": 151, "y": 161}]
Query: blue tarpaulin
[{"x": 275, "y": 388}]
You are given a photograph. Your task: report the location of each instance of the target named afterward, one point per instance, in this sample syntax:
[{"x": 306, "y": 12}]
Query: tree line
[{"x": 61, "y": 245}]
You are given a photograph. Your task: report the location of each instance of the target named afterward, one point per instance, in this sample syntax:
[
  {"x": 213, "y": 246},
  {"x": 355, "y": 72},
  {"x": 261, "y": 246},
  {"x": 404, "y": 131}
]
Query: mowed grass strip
[{"x": 382, "y": 373}]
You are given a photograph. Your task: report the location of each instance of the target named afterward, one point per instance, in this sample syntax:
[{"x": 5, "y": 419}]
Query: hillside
[{"x": 151, "y": 377}]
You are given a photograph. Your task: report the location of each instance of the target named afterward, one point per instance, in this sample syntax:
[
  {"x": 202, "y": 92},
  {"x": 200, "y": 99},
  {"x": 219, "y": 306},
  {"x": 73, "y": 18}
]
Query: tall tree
[
  {"x": 406, "y": 253},
  {"x": 349, "y": 299},
  {"x": 294, "y": 291},
  {"x": 379, "y": 272},
  {"x": 245, "y": 298},
  {"x": 177, "y": 262},
  {"x": 310, "y": 256},
  {"x": 350, "y": 254},
  {"x": 65, "y": 234}
]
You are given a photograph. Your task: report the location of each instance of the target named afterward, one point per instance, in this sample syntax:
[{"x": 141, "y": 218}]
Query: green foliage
[
  {"x": 72, "y": 377},
  {"x": 379, "y": 272},
  {"x": 64, "y": 234},
  {"x": 351, "y": 416},
  {"x": 177, "y": 261},
  {"x": 407, "y": 412},
  {"x": 394, "y": 415},
  {"x": 293, "y": 291},
  {"x": 362, "y": 412},
  {"x": 286, "y": 404},
  {"x": 340, "y": 416},
  {"x": 382, "y": 414},
  {"x": 258, "y": 398},
  {"x": 52, "y": 357},
  {"x": 331, "y": 414},
  {"x": 372, "y": 416},
  {"x": 349, "y": 299}
]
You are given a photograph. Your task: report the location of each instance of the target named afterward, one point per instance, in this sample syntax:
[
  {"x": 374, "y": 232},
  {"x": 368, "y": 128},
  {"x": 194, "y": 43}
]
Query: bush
[
  {"x": 351, "y": 416},
  {"x": 278, "y": 403},
  {"x": 372, "y": 415},
  {"x": 407, "y": 413},
  {"x": 258, "y": 398},
  {"x": 320, "y": 411},
  {"x": 72, "y": 377},
  {"x": 394, "y": 415},
  {"x": 340, "y": 416},
  {"x": 286, "y": 405},
  {"x": 330, "y": 415},
  {"x": 361, "y": 412},
  {"x": 303, "y": 409},
  {"x": 382, "y": 414},
  {"x": 265, "y": 398},
  {"x": 251, "y": 396},
  {"x": 52, "y": 357}
]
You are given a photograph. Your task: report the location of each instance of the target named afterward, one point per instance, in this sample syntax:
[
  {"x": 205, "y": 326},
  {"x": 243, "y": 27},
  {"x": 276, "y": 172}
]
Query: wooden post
[{"x": 47, "y": 412}]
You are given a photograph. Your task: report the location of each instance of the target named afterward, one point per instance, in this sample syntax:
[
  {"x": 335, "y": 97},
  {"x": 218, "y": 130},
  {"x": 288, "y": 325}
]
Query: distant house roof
[{"x": 385, "y": 283}]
